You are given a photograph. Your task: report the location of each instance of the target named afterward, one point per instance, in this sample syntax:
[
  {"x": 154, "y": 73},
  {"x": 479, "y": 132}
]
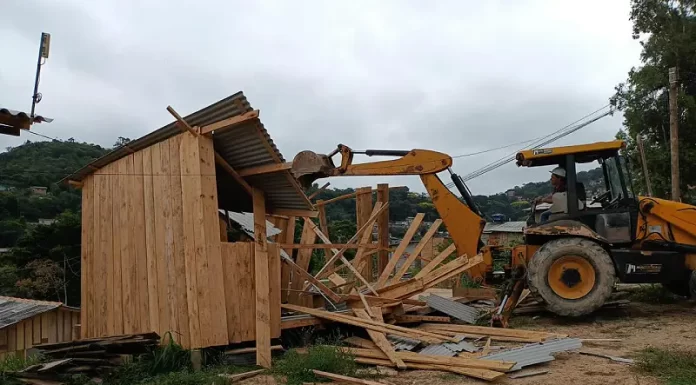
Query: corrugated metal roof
[
  {"x": 455, "y": 309},
  {"x": 402, "y": 343},
  {"x": 246, "y": 145},
  {"x": 13, "y": 310},
  {"x": 535, "y": 353},
  {"x": 246, "y": 220},
  {"x": 23, "y": 115},
  {"x": 461, "y": 346},
  {"x": 505, "y": 227}
]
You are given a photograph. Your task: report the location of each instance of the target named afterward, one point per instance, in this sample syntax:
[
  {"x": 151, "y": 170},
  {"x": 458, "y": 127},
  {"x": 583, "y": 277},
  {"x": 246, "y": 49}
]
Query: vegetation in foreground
[
  {"x": 673, "y": 367},
  {"x": 297, "y": 367},
  {"x": 654, "y": 294}
]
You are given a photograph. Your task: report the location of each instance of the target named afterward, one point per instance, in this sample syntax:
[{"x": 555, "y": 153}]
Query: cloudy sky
[{"x": 453, "y": 76}]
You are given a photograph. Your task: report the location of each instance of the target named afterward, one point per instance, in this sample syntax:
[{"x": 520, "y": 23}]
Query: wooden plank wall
[
  {"x": 363, "y": 209},
  {"x": 240, "y": 297},
  {"x": 152, "y": 258},
  {"x": 52, "y": 326}
]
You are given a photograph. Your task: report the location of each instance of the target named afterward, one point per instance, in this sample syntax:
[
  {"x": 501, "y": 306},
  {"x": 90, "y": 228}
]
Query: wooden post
[
  {"x": 383, "y": 229},
  {"x": 674, "y": 132},
  {"x": 288, "y": 237},
  {"x": 261, "y": 274},
  {"x": 644, "y": 163},
  {"x": 363, "y": 208},
  {"x": 324, "y": 226},
  {"x": 196, "y": 360}
]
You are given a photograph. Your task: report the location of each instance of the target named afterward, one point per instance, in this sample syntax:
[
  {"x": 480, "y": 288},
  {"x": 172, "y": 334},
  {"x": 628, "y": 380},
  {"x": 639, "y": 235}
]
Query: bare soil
[{"x": 638, "y": 326}]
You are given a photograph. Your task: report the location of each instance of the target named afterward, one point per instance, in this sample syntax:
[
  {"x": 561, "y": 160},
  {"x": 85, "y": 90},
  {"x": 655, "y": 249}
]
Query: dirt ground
[{"x": 638, "y": 326}]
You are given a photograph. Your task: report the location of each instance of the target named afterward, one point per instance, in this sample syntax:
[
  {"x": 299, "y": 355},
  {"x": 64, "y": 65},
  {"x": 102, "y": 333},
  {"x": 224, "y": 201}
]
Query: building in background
[{"x": 503, "y": 233}]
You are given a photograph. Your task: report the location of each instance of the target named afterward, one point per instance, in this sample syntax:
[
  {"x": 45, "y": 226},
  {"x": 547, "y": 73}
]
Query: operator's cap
[{"x": 559, "y": 171}]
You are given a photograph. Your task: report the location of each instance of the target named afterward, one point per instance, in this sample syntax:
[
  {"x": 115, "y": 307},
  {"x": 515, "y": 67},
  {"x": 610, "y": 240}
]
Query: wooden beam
[
  {"x": 232, "y": 352},
  {"x": 380, "y": 339},
  {"x": 345, "y": 379},
  {"x": 322, "y": 188},
  {"x": 484, "y": 374},
  {"x": 419, "y": 248},
  {"x": 372, "y": 325},
  {"x": 324, "y": 246},
  {"x": 436, "y": 261},
  {"x": 361, "y": 343},
  {"x": 383, "y": 229},
  {"x": 366, "y": 305},
  {"x": 230, "y": 123},
  {"x": 438, "y": 360},
  {"x": 261, "y": 276},
  {"x": 381, "y": 299},
  {"x": 384, "y": 276},
  {"x": 76, "y": 184},
  {"x": 328, "y": 265},
  {"x": 324, "y": 226},
  {"x": 338, "y": 198},
  {"x": 232, "y": 378},
  {"x": 420, "y": 318},
  {"x": 230, "y": 170},
  {"x": 182, "y": 123},
  {"x": 323, "y": 288},
  {"x": 265, "y": 169},
  {"x": 302, "y": 261},
  {"x": 294, "y": 212},
  {"x": 300, "y": 323}
]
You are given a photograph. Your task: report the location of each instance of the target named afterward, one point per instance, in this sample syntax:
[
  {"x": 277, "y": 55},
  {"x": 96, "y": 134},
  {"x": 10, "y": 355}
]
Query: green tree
[{"x": 667, "y": 32}]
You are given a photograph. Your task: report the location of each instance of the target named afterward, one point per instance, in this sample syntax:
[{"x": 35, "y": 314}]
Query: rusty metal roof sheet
[
  {"x": 23, "y": 115},
  {"x": 13, "y": 310},
  {"x": 243, "y": 146},
  {"x": 452, "y": 308},
  {"x": 533, "y": 354}
]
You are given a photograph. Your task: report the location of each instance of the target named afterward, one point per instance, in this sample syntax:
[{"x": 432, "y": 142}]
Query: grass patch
[
  {"x": 297, "y": 368},
  {"x": 654, "y": 294},
  {"x": 674, "y": 367},
  {"x": 13, "y": 363}
]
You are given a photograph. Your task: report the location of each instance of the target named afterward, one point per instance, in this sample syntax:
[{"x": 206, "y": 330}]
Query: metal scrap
[
  {"x": 454, "y": 309},
  {"x": 533, "y": 354},
  {"x": 437, "y": 350},
  {"x": 613, "y": 358},
  {"x": 529, "y": 374},
  {"x": 402, "y": 343}
]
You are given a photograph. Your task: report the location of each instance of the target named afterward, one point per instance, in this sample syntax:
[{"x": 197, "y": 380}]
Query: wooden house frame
[{"x": 154, "y": 257}]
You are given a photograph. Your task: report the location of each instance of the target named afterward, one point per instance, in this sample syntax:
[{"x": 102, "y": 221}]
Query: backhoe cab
[{"x": 574, "y": 259}]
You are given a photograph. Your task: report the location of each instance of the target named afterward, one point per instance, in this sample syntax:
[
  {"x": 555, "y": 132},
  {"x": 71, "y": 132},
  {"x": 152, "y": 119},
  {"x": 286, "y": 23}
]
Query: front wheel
[{"x": 574, "y": 276}]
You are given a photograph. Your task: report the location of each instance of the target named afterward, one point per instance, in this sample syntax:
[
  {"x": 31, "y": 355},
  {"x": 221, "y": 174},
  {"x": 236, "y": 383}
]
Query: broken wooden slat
[
  {"x": 421, "y": 335},
  {"x": 420, "y": 318},
  {"x": 416, "y": 252},
  {"x": 360, "y": 342},
  {"x": 384, "y": 276},
  {"x": 323, "y": 288},
  {"x": 231, "y": 378},
  {"x": 483, "y": 374},
  {"x": 436, "y": 261},
  {"x": 437, "y": 360},
  {"x": 314, "y": 194},
  {"x": 380, "y": 339},
  {"x": 345, "y": 379}
]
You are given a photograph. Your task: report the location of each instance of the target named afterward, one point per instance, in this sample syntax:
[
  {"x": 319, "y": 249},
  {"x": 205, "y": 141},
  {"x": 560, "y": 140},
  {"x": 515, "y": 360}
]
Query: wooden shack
[
  {"x": 154, "y": 255},
  {"x": 25, "y": 323}
]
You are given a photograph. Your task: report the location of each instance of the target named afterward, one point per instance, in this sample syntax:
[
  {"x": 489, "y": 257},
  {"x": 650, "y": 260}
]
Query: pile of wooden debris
[{"x": 90, "y": 357}]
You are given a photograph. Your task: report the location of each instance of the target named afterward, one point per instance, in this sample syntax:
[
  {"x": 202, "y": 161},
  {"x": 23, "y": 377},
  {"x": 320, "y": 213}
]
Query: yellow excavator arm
[{"x": 464, "y": 221}]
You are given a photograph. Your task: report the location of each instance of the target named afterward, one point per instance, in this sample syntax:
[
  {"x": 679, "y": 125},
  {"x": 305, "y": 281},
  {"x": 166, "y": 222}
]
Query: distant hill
[{"x": 44, "y": 163}]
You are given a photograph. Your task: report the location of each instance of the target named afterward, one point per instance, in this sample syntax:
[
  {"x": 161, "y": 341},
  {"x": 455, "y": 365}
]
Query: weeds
[
  {"x": 672, "y": 366},
  {"x": 297, "y": 368},
  {"x": 654, "y": 294},
  {"x": 13, "y": 363}
]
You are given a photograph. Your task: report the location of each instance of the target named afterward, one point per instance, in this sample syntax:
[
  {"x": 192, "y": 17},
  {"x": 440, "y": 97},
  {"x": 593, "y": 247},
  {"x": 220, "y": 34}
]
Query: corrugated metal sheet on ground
[
  {"x": 461, "y": 346},
  {"x": 13, "y": 310},
  {"x": 402, "y": 343},
  {"x": 457, "y": 310},
  {"x": 437, "y": 350},
  {"x": 538, "y": 353}
]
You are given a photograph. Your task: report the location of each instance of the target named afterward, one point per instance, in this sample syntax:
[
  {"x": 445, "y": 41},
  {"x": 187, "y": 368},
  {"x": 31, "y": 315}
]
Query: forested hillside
[{"x": 44, "y": 259}]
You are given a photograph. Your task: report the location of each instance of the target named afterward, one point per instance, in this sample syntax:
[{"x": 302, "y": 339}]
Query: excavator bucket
[{"x": 309, "y": 166}]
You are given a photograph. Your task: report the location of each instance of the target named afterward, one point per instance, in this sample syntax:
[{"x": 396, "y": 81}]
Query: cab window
[{"x": 613, "y": 182}]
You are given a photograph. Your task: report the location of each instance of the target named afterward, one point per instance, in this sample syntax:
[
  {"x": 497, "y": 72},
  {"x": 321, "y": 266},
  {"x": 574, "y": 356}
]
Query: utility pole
[
  {"x": 674, "y": 132},
  {"x": 644, "y": 163}
]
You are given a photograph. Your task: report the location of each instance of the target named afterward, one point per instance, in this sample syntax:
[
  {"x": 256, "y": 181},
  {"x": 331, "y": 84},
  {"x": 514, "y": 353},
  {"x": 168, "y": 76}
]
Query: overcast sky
[{"x": 453, "y": 76}]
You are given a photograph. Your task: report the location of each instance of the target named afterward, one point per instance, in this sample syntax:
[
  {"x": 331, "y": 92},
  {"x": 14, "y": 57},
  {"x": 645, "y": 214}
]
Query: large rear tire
[{"x": 574, "y": 276}]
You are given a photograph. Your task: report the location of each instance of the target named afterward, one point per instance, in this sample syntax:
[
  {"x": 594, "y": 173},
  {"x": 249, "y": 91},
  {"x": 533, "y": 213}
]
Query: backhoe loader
[{"x": 573, "y": 260}]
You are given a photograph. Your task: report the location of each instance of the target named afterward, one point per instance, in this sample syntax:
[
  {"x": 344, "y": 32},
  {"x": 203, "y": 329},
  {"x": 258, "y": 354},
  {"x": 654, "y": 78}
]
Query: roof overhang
[{"x": 584, "y": 153}]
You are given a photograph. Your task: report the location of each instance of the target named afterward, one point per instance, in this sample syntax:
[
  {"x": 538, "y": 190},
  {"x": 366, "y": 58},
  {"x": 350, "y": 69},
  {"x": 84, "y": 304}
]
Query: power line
[{"x": 43, "y": 136}]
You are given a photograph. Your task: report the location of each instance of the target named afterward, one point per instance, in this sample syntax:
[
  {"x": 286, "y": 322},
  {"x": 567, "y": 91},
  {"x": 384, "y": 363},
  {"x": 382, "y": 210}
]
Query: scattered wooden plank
[
  {"x": 232, "y": 352},
  {"x": 474, "y": 293},
  {"x": 437, "y": 360},
  {"x": 416, "y": 252},
  {"x": 323, "y": 288},
  {"x": 384, "y": 276},
  {"x": 367, "y": 306},
  {"x": 421, "y": 335},
  {"x": 345, "y": 379},
  {"x": 490, "y": 331},
  {"x": 381, "y": 299},
  {"x": 328, "y": 267},
  {"x": 483, "y": 374},
  {"x": 436, "y": 261},
  {"x": 380, "y": 340},
  {"x": 420, "y": 318},
  {"x": 361, "y": 343},
  {"x": 324, "y": 246},
  {"x": 232, "y": 378}
]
